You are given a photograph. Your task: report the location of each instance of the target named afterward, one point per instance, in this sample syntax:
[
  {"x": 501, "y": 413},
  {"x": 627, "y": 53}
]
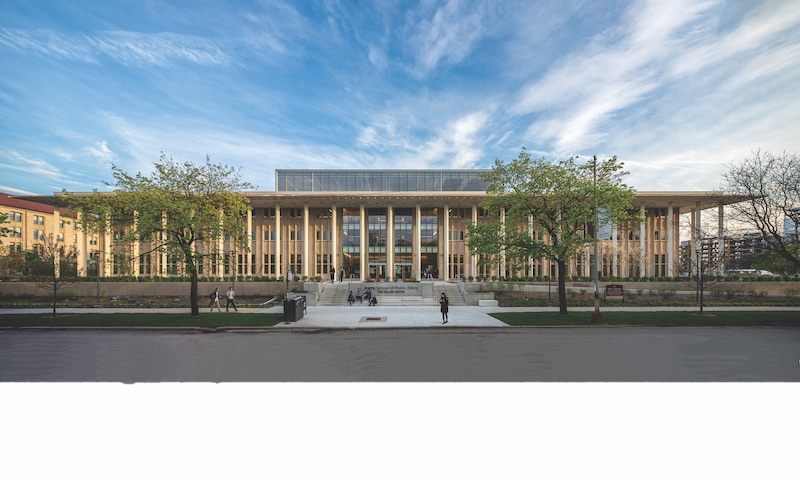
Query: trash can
[{"x": 292, "y": 309}]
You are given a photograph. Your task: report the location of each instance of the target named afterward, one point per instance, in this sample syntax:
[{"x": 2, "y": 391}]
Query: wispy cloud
[
  {"x": 447, "y": 34},
  {"x": 49, "y": 43},
  {"x": 769, "y": 23},
  {"x": 14, "y": 191},
  {"x": 128, "y": 48},
  {"x": 34, "y": 166},
  {"x": 101, "y": 151},
  {"x": 615, "y": 71}
]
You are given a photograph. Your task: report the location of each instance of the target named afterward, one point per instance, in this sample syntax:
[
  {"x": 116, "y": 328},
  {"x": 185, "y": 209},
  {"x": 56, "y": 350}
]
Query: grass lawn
[
  {"x": 144, "y": 319},
  {"x": 688, "y": 318}
]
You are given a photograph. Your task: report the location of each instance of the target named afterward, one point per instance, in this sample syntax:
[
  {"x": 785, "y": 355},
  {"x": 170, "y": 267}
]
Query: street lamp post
[
  {"x": 97, "y": 263},
  {"x": 233, "y": 270}
]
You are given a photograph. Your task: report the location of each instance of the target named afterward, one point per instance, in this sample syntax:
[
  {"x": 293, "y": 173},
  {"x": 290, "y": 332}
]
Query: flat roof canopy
[{"x": 682, "y": 200}]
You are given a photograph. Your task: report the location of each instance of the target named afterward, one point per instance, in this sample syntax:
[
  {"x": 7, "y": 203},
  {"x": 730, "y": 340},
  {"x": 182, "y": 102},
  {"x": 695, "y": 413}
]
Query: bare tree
[
  {"x": 53, "y": 260},
  {"x": 699, "y": 267},
  {"x": 772, "y": 184}
]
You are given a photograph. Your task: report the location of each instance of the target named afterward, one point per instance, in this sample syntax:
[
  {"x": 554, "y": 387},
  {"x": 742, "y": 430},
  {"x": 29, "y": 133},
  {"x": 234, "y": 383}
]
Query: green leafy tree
[
  {"x": 3, "y": 230},
  {"x": 177, "y": 208},
  {"x": 560, "y": 197},
  {"x": 772, "y": 261}
]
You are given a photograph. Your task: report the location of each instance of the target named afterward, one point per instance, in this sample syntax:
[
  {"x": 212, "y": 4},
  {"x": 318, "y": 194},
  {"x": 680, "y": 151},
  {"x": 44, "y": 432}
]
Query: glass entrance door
[
  {"x": 402, "y": 272},
  {"x": 377, "y": 271}
]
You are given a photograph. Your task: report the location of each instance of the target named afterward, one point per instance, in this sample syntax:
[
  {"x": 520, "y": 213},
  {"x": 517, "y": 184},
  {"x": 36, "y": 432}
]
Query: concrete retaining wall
[
  {"x": 772, "y": 288},
  {"x": 156, "y": 289}
]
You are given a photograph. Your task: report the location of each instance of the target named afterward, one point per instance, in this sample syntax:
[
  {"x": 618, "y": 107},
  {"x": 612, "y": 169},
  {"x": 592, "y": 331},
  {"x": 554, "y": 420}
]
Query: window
[{"x": 61, "y": 224}]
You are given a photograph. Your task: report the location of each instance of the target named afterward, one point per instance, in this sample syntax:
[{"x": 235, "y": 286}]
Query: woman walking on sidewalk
[
  {"x": 215, "y": 300},
  {"x": 445, "y": 306}
]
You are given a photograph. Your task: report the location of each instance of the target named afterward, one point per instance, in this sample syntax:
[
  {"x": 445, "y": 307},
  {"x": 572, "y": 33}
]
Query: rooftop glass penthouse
[{"x": 379, "y": 181}]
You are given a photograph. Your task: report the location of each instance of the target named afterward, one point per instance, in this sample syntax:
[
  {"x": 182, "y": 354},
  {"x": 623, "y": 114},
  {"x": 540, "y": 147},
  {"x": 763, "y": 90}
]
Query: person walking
[
  {"x": 230, "y": 294},
  {"x": 341, "y": 274},
  {"x": 445, "y": 306},
  {"x": 333, "y": 274},
  {"x": 215, "y": 300}
]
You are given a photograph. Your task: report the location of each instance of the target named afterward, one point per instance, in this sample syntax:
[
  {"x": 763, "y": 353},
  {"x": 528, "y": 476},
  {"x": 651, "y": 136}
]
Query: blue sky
[{"x": 674, "y": 88}]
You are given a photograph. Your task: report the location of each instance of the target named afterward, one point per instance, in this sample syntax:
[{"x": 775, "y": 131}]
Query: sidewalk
[{"x": 363, "y": 316}]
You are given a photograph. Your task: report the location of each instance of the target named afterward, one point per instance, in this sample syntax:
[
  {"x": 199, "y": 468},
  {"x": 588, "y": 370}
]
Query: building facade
[
  {"x": 397, "y": 225},
  {"x": 30, "y": 223}
]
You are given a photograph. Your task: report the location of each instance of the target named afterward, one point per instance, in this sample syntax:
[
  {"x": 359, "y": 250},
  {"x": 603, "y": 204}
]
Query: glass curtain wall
[
  {"x": 403, "y": 243},
  {"x": 376, "y": 232},
  {"x": 429, "y": 242},
  {"x": 351, "y": 241}
]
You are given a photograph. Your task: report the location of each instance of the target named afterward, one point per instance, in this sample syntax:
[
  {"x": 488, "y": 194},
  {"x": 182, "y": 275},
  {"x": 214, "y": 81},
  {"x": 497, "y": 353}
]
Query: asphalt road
[{"x": 613, "y": 354}]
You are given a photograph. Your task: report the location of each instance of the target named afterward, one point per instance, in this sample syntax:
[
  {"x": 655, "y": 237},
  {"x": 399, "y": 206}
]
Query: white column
[
  {"x": 364, "y": 243},
  {"x": 390, "y": 243},
  {"x": 446, "y": 242},
  {"x": 698, "y": 240},
  {"x": 502, "y": 248},
  {"x": 670, "y": 246},
  {"x": 335, "y": 260},
  {"x": 249, "y": 253},
  {"x": 474, "y": 258},
  {"x": 642, "y": 245},
  {"x": 57, "y": 230},
  {"x": 135, "y": 247},
  {"x": 693, "y": 231},
  {"x": 162, "y": 260},
  {"x": 586, "y": 267},
  {"x": 614, "y": 251},
  {"x": 530, "y": 234},
  {"x": 82, "y": 247},
  {"x": 721, "y": 241},
  {"x": 308, "y": 270},
  {"x": 417, "y": 255},
  {"x": 279, "y": 270}
]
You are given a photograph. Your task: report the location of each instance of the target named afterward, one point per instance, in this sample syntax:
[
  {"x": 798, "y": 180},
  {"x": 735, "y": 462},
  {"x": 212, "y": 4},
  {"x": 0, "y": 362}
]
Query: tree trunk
[
  {"x": 55, "y": 293},
  {"x": 195, "y": 304},
  {"x": 192, "y": 267},
  {"x": 562, "y": 287}
]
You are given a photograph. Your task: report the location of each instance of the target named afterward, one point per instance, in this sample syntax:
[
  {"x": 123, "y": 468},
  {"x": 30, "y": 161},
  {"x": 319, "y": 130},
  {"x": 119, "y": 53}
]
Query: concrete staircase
[
  {"x": 335, "y": 294},
  {"x": 453, "y": 294}
]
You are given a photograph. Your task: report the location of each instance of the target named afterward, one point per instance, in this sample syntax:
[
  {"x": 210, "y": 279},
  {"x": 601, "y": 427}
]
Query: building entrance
[
  {"x": 402, "y": 272},
  {"x": 377, "y": 271}
]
